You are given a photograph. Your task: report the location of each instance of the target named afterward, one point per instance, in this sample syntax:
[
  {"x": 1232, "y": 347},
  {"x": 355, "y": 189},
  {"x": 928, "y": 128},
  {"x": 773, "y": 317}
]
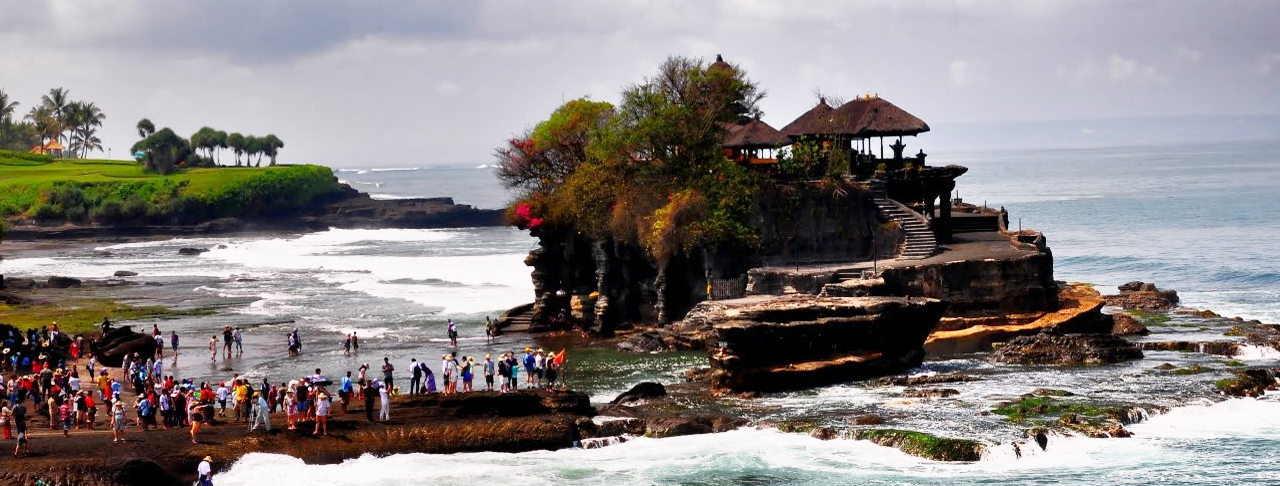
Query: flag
[{"x": 559, "y": 358}]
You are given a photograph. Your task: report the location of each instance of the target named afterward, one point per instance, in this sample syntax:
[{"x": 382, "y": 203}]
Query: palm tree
[
  {"x": 253, "y": 146},
  {"x": 145, "y": 128},
  {"x": 86, "y": 141},
  {"x": 45, "y": 121},
  {"x": 237, "y": 143},
  {"x": 271, "y": 146},
  {"x": 6, "y": 112},
  {"x": 57, "y": 101},
  {"x": 83, "y": 119},
  {"x": 219, "y": 143}
]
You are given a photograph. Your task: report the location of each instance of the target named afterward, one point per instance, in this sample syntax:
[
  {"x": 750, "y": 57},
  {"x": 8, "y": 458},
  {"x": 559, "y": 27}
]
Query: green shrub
[
  {"x": 46, "y": 212},
  {"x": 16, "y": 158}
]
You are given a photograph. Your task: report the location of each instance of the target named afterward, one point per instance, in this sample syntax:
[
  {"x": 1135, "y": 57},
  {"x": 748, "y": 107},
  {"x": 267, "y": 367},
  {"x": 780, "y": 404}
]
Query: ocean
[{"x": 1198, "y": 218}]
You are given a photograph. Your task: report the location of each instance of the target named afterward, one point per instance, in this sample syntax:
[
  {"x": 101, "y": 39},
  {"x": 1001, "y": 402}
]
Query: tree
[
  {"x": 271, "y": 146},
  {"x": 57, "y": 101},
  {"x": 253, "y": 146},
  {"x": 219, "y": 143},
  {"x": 206, "y": 138},
  {"x": 145, "y": 128},
  {"x": 6, "y": 114},
  {"x": 163, "y": 150},
  {"x": 236, "y": 142},
  {"x": 45, "y": 122},
  {"x": 543, "y": 157},
  {"x": 83, "y": 119}
]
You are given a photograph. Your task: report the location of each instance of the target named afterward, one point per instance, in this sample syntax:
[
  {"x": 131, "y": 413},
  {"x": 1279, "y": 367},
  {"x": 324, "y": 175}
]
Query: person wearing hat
[
  {"x": 322, "y": 414},
  {"x": 465, "y": 371},
  {"x": 291, "y": 409},
  {"x": 488, "y": 372},
  {"x": 205, "y": 471},
  {"x": 261, "y": 412},
  {"x": 530, "y": 362},
  {"x": 446, "y": 370}
]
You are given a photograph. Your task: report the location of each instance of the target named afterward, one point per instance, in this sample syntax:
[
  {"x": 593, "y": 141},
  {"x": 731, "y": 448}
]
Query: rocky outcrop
[
  {"x": 1080, "y": 311},
  {"x": 125, "y": 273},
  {"x": 63, "y": 282},
  {"x": 767, "y": 343},
  {"x": 981, "y": 286},
  {"x": 640, "y": 394},
  {"x": 1143, "y": 296},
  {"x": 924, "y": 445},
  {"x": 1250, "y": 382},
  {"x": 111, "y": 348},
  {"x": 191, "y": 251},
  {"x": 1052, "y": 348},
  {"x": 1126, "y": 325}
]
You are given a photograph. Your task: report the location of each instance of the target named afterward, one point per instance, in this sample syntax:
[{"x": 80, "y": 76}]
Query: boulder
[
  {"x": 1250, "y": 382},
  {"x": 866, "y": 419},
  {"x": 1127, "y": 325},
  {"x": 645, "y": 342},
  {"x": 125, "y": 273},
  {"x": 111, "y": 348},
  {"x": 63, "y": 282},
  {"x": 640, "y": 393},
  {"x": 659, "y": 427},
  {"x": 1050, "y": 348},
  {"x": 1143, "y": 296},
  {"x": 930, "y": 393},
  {"x": 191, "y": 251},
  {"x": 19, "y": 283}
]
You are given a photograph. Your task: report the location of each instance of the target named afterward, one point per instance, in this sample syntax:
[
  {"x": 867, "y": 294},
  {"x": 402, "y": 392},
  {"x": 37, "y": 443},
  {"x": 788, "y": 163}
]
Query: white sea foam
[
  {"x": 1251, "y": 352},
  {"x": 396, "y": 169},
  {"x": 389, "y": 196}
]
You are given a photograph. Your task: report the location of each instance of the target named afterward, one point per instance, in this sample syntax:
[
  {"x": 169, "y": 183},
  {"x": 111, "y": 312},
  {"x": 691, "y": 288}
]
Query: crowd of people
[{"x": 68, "y": 388}]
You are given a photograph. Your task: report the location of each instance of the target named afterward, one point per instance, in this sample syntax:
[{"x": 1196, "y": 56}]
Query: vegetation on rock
[
  {"x": 924, "y": 445},
  {"x": 78, "y": 316}
]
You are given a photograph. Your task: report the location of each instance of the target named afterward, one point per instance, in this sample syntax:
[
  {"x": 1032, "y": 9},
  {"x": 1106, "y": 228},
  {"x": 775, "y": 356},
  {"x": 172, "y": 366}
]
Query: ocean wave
[
  {"x": 425, "y": 281},
  {"x": 389, "y": 196},
  {"x": 396, "y": 169}
]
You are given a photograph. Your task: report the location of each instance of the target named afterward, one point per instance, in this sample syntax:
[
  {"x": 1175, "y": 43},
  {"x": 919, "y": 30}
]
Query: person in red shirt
[{"x": 64, "y": 413}]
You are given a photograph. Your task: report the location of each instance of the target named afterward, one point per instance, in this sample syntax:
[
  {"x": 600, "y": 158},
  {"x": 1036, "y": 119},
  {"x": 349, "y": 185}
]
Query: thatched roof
[
  {"x": 860, "y": 118},
  {"x": 720, "y": 64},
  {"x": 816, "y": 121},
  {"x": 754, "y": 134}
]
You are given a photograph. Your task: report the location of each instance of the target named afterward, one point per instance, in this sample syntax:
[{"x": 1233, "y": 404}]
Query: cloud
[
  {"x": 962, "y": 73},
  {"x": 1115, "y": 69},
  {"x": 1267, "y": 64}
]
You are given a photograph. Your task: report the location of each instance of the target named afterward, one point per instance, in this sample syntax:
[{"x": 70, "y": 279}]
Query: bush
[
  {"x": 46, "y": 212},
  {"x": 35, "y": 159}
]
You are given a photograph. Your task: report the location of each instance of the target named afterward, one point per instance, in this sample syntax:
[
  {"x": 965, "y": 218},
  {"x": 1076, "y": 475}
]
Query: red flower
[{"x": 535, "y": 222}]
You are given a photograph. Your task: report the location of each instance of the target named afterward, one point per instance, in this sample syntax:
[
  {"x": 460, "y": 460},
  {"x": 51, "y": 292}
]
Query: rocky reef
[
  {"x": 779, "y": 343},
  {"x": 113, "y": 345},
  {"x": 1051, "y": 346}
]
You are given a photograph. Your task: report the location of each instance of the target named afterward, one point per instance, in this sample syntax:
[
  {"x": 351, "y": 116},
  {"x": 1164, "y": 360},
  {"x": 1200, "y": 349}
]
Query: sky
[{"x": 433, "y": 83}]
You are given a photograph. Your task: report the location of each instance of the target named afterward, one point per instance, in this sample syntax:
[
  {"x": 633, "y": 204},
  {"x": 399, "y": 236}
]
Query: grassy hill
[{"x": 36, "y": 188}]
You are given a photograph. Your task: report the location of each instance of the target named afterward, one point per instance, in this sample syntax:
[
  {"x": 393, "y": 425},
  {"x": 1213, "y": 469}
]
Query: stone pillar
[
  {"x": 942, "y": 224},
  {"x": 600, "y": 252}
]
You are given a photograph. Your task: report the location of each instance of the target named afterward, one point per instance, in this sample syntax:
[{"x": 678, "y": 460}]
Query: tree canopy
[{"x": 650, "y": 170}]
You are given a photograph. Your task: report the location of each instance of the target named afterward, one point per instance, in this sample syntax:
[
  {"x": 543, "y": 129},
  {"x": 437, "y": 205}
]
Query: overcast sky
[{"x": 406, "y": 83}]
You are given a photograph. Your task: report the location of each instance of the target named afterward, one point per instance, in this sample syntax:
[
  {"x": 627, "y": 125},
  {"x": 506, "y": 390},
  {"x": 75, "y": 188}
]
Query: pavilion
[{"x": 52, "y": 147}]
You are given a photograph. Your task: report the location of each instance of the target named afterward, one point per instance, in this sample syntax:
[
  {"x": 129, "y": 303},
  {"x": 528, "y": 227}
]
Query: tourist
[
  {"x": 446, "y": 371},
  {"x": 513, "y": 365},
  {"x": 344, "y": 391},
  {"x": 197, "y": 413},
  {"x": 173, "y": 341},
  {"x": 261, "y": 414},
  {"x": 18, "y": 415},
  {"x": 416, "y": 378},
  {"x": 293, "y": 344},
  {"x": 143, "y": 406},
  {"x": 205, "y": 472},
  {"x": 384, "y": 394},
  {"x": 488, "y": 371},
  {"x": 370, "y": 393},
  {"x": 431, "y": 379},
  {"x": 227, "y": 339},
  {"x": 297, "y": 340},
  {"x": 159, "y": 346},
  {"x": 223, "y": 394},
  {"x": 290, "y": 409},
  {"x": 213, "y": 348},
  {"x": 355, "y": 342},
  {"x": 166, "y": 409},
  {"x": 238, "y": 337},
  {"x": 504, "y": 371},
  {"x": 465, "y": 370},
  {"x": 539, "y": 365},
  {"x": 488, "y": 330},
  {"x": 6, "y": 419},
  {"x": 529, "y": 363},
  {"x": 346, "y": 346},
  {"x": 453, "y": 333},
  {"x": 117, "y": 420},
  {"x": 64, "y": 413},
  {"x": 322, "y": 415},
  {"x": 386, "y": 372}
]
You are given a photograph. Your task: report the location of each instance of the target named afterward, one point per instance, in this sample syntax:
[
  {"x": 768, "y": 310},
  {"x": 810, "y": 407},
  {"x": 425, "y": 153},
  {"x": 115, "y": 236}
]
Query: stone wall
[{"x": 981, "y": 287}]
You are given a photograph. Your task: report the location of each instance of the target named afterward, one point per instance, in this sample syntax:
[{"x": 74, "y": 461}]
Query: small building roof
[
  {"x": 864, "y": 117},
  {"x": 754, "y": 134},
  {"x": 720, "y": 64},
  {"x": 51, "y": 146},
  {"x": 816, "y": 121}
]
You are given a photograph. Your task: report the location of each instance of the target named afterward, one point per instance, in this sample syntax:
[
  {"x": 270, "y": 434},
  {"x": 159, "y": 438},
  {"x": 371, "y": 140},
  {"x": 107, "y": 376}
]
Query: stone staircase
[{"x": 918, "y": 241}]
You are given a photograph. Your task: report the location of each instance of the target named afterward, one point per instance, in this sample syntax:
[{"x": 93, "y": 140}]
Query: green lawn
[{"x": 108, "y": 191}]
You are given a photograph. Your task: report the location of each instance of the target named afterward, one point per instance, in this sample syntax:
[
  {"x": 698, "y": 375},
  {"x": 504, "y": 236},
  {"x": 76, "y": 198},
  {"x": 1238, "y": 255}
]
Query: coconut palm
[
  {"x": 83, "y": 119},
  {"x": 237, "y": 143},
  {"x": 57, "y": 100},
  {"x": 145, "y": 128},
  {"x": 45, "y": 121},
  {"x": 6, "y": 107},
  {"x": 86, "y": 141}
]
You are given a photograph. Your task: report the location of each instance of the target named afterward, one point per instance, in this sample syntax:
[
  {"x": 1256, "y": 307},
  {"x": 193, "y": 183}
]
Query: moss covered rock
[{"x": 924, "y": 445}]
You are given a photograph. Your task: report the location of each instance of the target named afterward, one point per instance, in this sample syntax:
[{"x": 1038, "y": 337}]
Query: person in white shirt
[
  {"x": 205, "y": 470},
  {"x": 384, "y": 393}
]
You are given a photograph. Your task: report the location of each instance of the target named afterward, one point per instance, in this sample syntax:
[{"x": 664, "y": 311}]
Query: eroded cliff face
[
  {"x": 604, "y": 281},
  {"x": 981, "y": 286},
  {"x": 770, "y": 343}
]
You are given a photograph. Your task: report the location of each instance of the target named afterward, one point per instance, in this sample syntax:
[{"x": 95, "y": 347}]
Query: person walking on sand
[
  {"x": 261, "y": 413},
  {"x": 117, "y": 420},
  {"x": 488, "y": 330},
  {"x": 387, "y": 369},
  {"x": 344, "y": 391},
  {"x": 226, "y": 341},
  {"x": 213, "y": 348},
  {"x": 346, "y": 346},
  {"x": 173, "y": 342},
  {"x": 196, "y": 411},
  {"x": 355, "y": 342},
  {"x": 239, "y": 339},
  {"x": 370, "y": 394},
  {"x": 488, "y": 372}
]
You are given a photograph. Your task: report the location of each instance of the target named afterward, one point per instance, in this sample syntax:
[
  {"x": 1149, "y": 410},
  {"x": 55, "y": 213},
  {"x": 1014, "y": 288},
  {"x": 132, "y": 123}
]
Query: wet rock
[
  {"x": 596, "y": 427},
  {"x": 63, "y": 282},
  {"x": 1221, "y": 348},
  {"x": 125, "y": 273},
  {"x": 924, "y": 445},
  {"x": 153, "y": 284},
  {"x": 1166, "y": 367},
  {"x": 1143, "y": 296},
  {"x": 867, "y": 419},
  {"x": 192, "y": 251},
  {"x": 111, "y": 348},
  {"x": 1050, "y": 392},
  {"x": 824, "y": 433},
  {"x": 1203, "y": 314},
  {"x": 931, "y": 393},
  {"x": 1066, "y": 349},
  {"x": 700, "y": 374},
  {"x": 1249, "y": 382},
  {"x": 926, "y": 379},
  {"x": 19, "y": 283},
  {"x": 640, "y": 394},
  {"x": 1040, "y": 435},
  {"x": 1127, "y": 325},
  {"x": 659, "y": 427},
  {"x": 10, "y": 298},
  {"x": 645, "y": 342}
]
